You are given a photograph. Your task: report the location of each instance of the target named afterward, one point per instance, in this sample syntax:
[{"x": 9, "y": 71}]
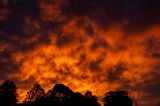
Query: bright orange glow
[
  {"x": 80, "y": 53},
  {"x": 69, "y": 64}
]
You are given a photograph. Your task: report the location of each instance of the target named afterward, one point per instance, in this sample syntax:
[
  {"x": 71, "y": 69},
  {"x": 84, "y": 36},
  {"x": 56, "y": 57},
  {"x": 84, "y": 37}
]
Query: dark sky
[{"x": 99, "y": 45}]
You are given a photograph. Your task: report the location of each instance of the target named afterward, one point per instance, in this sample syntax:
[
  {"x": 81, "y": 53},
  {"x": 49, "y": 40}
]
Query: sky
[{"x": 97, "y": 45}]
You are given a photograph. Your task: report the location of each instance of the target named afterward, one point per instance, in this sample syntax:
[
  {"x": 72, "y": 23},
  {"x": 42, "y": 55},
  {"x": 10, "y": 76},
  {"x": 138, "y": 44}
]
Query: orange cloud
[{"x": 81, "y": 50}]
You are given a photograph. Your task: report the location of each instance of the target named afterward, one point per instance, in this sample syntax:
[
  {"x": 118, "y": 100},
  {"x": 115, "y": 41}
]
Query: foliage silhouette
[
  {"x": 35, "y": 94},
  {"x": 92, "y": 100},
  {"x": 8, "y": 94},
  {"x": 117, "y": 98},
  {"x": 59, "y": 95}
]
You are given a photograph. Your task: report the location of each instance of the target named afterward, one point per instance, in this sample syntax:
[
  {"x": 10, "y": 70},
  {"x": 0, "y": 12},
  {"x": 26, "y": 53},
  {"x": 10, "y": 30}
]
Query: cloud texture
[{"x": 99, "y": 45}]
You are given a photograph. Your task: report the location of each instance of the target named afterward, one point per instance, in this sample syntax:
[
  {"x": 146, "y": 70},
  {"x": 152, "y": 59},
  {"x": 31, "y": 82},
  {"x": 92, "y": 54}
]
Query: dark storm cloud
[
  {"x": 13, "y": 26},
  {"x": 7, "y": 65},
  {"x": 23, "y": 24},
  {"x": 156, "y": 55},
  {"x": 19, "y": 10},
  {"x": 152, "y": 87},
  {"x": 94, "y": 9},
  {"x": 152, "y": 46},
  {"x": 114, "y": 73},
  {"x": 95, "y": 65},
  {"x": 65, "y": 40},
  {"x": 90, "y": 31},
  {"x": 136, "y": 15},
  {"x": 16, "y": 32},
  {"x": 99, "y": 43},
  {"x": 82, "y": 60}
]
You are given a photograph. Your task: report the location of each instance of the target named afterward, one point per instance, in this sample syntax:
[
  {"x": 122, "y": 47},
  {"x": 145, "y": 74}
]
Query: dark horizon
[{"x": 61, "y": 95}]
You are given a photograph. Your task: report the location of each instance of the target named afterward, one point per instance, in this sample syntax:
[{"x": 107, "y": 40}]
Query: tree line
[{"x": 59, "y": 95}]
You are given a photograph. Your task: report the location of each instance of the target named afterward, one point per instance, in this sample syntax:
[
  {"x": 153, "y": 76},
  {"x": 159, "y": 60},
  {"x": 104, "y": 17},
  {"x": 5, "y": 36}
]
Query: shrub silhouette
[{"x": 117, "y": 98}]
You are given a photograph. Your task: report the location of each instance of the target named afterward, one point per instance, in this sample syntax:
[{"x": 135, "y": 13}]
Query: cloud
[
  {"x": 85, "y": 44},
  {"x": 135, "y": 16}
]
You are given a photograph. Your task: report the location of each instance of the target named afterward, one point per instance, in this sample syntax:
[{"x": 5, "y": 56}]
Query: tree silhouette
[
  {"x": 8, "y": 94},
  {"x": 117, "y": 98},
  {"x": 35, "y": 94},
  {"x": 88, "y": 99},
  {"x": 88, "y": 94},
  {"x": 60, "y": 95},
  {"x": 62, "y": 89},
  {"x": 78, "y": 100},
  {"x": 91, "y": 100}
]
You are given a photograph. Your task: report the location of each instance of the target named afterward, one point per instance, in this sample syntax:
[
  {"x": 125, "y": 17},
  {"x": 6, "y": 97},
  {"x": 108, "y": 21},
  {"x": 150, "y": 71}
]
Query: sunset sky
[{"x": 96, "y": 45}]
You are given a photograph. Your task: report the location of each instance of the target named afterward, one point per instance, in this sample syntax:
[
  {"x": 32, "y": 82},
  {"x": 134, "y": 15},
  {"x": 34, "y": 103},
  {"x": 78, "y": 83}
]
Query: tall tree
[
  {"x": 35, "y": 94},
  {"x": 117, "y": 98},
  {"x": 8, "y": 94}
]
